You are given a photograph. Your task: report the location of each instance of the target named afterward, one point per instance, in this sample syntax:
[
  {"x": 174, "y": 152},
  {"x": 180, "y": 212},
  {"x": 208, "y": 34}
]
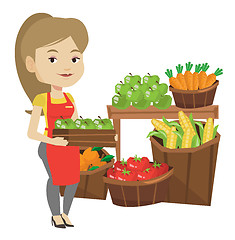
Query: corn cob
[
  {"x": 171, "y": 138},
  {"x": 185, "y": 122},
  {"x": 208, "y": 130},
  {"x": 187, "y": 138},
  {"x": 159, "y": 125}
]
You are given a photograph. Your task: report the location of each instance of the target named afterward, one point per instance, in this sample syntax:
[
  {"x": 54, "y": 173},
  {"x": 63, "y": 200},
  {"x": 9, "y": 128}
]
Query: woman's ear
[{"x": 30, "y": 64}]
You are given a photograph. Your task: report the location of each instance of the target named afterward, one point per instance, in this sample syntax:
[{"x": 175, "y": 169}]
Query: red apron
[{"x": 64, "y": 161}]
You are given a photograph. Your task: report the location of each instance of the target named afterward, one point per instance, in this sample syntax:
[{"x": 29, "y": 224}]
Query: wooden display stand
[{"x": 152, "y": 112}]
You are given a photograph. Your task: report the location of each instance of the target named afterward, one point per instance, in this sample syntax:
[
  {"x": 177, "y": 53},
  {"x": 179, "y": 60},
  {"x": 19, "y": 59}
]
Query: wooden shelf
[
  {"x": 152, "y": 112},
  {"x": 169, "y": 113}
]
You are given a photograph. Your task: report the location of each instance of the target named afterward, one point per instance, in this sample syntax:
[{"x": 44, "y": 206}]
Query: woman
[{"x": 49, "y": 56}]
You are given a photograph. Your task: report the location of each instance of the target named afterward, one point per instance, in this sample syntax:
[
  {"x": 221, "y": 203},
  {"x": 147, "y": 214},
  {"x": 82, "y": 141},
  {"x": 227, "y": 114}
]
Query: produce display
[
  {"x": 136, "y": 169},
  {"x": 90, "y": 159},
  {"x": 183, "y": 134},
  {"x": 192, "y": 81},
  {"x": 82, "y": 123},
  {"x": 141, "y": 93}
]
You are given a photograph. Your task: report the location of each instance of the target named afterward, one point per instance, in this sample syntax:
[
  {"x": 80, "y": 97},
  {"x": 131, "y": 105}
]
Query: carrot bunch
[
  {"x": 189, "y": 76},
  {"x": 192, "y": 81},
  {"x": 180, "y": 76},
  {"x": 202, "y": 76}
]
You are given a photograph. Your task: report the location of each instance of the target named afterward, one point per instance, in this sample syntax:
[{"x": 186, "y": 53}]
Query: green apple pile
[
  {"x": 82, "y": 123},
  {"x": 141, "y": 93}
]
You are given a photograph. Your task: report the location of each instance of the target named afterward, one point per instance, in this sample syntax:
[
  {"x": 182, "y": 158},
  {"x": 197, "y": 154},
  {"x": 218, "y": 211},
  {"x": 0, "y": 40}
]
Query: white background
[{"x": 124, "y": 36}]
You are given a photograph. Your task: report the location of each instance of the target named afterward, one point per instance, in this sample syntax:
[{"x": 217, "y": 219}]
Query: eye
[
  {"x": 75, "y": 59},
  {"x": 52, "y": 59}
]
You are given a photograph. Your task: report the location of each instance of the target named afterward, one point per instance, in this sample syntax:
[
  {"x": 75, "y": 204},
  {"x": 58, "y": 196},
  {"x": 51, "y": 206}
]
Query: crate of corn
[{"x": 191, "y": 148}]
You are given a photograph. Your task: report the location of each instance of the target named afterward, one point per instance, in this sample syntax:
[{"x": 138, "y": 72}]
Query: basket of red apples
[{"x": 138, "y": 182}]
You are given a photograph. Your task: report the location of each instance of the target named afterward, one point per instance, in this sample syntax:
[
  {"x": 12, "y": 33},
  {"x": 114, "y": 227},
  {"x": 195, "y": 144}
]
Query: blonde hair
[{"x": 39, "y": 30}]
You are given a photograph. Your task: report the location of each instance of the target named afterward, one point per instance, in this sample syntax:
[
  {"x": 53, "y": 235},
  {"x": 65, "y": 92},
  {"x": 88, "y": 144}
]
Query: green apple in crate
[
  {"x": 108, "y": 123},
  {"x": 65, "y": 124},
  {"x": 120, "y": 101},
  {"x": 152, "y": 95},
  {"x": 136, "y": 86},
  {"x": 135, "y": 81},
  {"x": 164, "y": 102},
  {"x": 134, "y": 95},
  {"x": 70, "y": 123},
  {"x": 143, "y": 104},
  {"x": 127, "y": 78},
  {"x": 103, "y": 123},
  {"x": 96, "y": 121},
  {"x": 163, "y": 88},
  {"x": 88, "y": 120},
  {"x": 132, "y": 80},
  {"x": 87, "y": 123},
  {"x": 143, "y": 87},
  {"x": 122, "y": 88},
  {"x": 58, "y": 123},
  {"x": 78, "y": 122},
  {"x": 151, "y": 80}
]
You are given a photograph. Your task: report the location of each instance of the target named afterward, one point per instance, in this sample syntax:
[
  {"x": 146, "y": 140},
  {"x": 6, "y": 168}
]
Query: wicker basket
[
  {"x": 139, "y": 193},
  {"x": 194, "y": 98},
  {"x": 91, "y": 183}
]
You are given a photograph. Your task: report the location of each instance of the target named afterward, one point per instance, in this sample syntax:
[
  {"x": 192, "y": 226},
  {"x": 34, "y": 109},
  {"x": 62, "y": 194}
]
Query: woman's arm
[{"x": 33, "y": 130}]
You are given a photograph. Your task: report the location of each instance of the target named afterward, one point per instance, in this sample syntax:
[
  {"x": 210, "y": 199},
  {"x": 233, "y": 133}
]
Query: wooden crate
[
  {"x": 87, "y": 137},
  {"x": 192, "y": 182}
]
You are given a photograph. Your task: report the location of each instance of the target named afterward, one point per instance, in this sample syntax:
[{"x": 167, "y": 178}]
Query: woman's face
[{"x": 59, "y": 64}]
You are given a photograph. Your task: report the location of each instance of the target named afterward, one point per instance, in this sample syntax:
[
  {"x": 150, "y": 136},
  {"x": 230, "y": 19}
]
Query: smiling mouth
[{"x": 66, "y": 74}]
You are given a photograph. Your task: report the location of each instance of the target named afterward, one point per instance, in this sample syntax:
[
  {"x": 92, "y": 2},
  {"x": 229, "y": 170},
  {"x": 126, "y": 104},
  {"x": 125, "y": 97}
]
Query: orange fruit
[
  {"x": 82, "y": 159},
  {"x": 90, "y": 156},
  {"x": 98, "y": 163},
  {"x": 84, "y": 164}
]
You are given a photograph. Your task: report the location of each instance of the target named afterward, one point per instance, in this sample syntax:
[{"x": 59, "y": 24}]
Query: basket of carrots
[
  {"x": 193, "y": 90},
  {"x": 191, "y": 148}
]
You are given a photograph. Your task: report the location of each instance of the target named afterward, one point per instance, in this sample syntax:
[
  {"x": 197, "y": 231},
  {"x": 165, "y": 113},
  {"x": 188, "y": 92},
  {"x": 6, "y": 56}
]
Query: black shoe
[
  {"x": 68, "y": 225},
  {"x": 59, "y": 225}
]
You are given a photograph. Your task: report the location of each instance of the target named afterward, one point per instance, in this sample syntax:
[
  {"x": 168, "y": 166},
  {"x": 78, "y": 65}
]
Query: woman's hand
[{"x": 59, "y": 141}]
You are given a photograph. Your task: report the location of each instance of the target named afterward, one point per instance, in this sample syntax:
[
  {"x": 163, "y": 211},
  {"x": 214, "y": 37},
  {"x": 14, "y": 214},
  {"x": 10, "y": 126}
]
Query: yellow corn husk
[
  {"x": 208, "y": 130},
  {"x": 159, "y": 125},
  {"x": 185, "y": 122},
  {"x": 171, "y": 139},
  {"x": 187, "y": 138}
]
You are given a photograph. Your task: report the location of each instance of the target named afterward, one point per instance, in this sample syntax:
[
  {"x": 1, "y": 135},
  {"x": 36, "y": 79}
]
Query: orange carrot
[
  {"x": 202, "y": 76},
  {"x": 174, "y": 82},
  {"x": 180, "y": 76},
  {"x": 195, "y": 76},
  {"x": 188, "y": 76},
  {"x": 212, "y": 77}
]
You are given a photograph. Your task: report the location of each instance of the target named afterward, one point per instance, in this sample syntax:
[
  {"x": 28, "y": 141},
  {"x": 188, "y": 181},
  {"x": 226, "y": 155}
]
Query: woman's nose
[{"x": 67, "y": 69}]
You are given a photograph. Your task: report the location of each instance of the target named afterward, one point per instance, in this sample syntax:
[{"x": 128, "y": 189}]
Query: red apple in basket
[
  {"x": 126, "y": 175},
  {"x": 111, "y": 173},
  {"x": 159, "y": 168},
  {"x": 137, "y": 164},
  {"x": 120, "y": 165},
  {"x": 147, "y": 174}
]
